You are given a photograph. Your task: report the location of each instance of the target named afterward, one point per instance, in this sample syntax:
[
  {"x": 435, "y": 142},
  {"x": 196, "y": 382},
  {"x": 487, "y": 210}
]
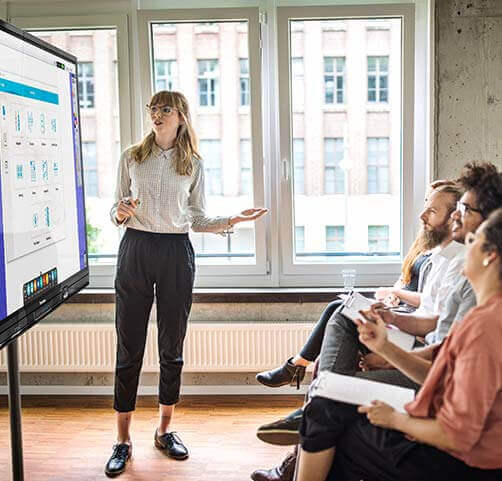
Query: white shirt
[
  {"x": 169, "y": 202},
  {"x": 446, "y": 271}
]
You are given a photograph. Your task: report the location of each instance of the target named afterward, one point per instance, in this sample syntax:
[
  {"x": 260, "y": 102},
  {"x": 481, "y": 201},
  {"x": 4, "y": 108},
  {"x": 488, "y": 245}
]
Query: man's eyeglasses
[
  {"x": 464, "y": 208},
  {"x": 163, "y": 110}
]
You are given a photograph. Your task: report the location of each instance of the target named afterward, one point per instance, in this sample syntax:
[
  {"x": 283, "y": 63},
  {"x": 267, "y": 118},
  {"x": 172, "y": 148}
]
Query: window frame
[
  {"x": 221, "y": 275},
  {"x": 100, "y": 276},
  {"x": 369, "y": 273}
]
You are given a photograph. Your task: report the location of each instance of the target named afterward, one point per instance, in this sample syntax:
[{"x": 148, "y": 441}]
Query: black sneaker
[
  {"x": 117, "y": 462},
  {"x": 283, "y": 432},
  {"x": 288, "y": 373},
  {"x": 172, "y": 444}
]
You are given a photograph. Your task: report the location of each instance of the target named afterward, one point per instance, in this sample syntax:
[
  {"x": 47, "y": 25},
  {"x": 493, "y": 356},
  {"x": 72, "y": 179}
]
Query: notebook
[
  {"x": 355, "y": 301},
  {"x": 354, "y": 390}
]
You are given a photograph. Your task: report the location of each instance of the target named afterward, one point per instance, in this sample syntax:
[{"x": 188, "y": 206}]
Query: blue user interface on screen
[{"x": 42, "y": 220}]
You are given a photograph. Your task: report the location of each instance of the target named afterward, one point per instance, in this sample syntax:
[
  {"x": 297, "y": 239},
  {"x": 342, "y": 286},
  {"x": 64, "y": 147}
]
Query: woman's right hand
[
  {"x": 126, "y": 208},
  {"x": 373, "y": 332}
]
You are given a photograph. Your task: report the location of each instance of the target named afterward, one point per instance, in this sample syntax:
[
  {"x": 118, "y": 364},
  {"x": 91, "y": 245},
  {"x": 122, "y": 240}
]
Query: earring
[{"x": 486, "y": 262}]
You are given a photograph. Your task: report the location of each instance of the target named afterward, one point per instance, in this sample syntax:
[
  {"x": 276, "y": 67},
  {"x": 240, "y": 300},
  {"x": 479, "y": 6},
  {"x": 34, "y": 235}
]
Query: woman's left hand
[
  {"x": 380, "y": 414},
  {"x": 248, "y": 214}
]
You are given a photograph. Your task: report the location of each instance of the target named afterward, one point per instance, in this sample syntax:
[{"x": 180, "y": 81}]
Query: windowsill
[
  {"x": 377, "y": 107},
  {"x": 334, "y": 108},
  {"x": 233, "y": 295}
]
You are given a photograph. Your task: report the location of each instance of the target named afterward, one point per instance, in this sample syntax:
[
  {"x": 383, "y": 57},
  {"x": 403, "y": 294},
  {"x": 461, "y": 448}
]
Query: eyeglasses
[
  {"x": 163, "y": 110},
  {"x": 464, "y": 208}
]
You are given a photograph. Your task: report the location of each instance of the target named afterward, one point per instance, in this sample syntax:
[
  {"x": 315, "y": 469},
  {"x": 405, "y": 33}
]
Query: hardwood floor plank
[{"x": 70, "y": 438}]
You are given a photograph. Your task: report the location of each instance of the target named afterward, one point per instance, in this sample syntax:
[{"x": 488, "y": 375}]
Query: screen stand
[{"x": 16, "y": 439}]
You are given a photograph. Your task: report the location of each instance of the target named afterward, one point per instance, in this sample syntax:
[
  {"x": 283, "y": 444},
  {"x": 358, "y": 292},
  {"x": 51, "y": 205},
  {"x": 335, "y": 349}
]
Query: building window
[
  {"x": 378, "y": 79},
  {"x": 90, "y": 169},
  {"x": 211, "y": 155},
  {"x": 378, "y": 165},
  {"x": 208, "y": 82},
  {"x": 244, "y": 81},
  {"x": 334, "y": 80},
  {"x": 86, "y": 85},
  {"x": 165, "y": 75},
  {"x": 298, "y": 87},
  {"x": 246, "y": 167},
  {"x": 378, "y": 238},
  {"x": 299, "y": 165},
  {"x": 335, "y": 238},
  {"x": 299, "y": 238},
  {"x": 334, "y": 175}
]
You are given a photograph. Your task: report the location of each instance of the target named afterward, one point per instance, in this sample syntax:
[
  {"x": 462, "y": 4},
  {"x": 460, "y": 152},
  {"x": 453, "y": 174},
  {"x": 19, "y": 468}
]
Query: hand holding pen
[
  {"x": 372, "y": 330},
  {"x": 126, "y": 208}
]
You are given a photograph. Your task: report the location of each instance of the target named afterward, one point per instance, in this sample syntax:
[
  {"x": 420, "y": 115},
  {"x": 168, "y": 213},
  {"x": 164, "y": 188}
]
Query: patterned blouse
[{"x": 169, "y": 202}]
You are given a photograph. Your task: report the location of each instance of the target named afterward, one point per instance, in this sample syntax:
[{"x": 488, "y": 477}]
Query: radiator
[{"x": 216, "y": 347}]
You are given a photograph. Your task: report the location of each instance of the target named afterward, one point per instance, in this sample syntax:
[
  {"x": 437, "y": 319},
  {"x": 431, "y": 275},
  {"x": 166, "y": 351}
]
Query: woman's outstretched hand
[{"x": 248, "y": 214}]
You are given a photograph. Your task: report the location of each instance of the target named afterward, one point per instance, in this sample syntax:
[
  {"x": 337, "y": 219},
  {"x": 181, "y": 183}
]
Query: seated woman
[{"x": 452, "y": 430}]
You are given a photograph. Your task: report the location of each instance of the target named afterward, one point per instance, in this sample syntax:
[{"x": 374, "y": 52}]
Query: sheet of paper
[
  {"x": 402, "y": 339},
  {"x": 353, "y": 390},
  {"x": 355, "y": 302}
]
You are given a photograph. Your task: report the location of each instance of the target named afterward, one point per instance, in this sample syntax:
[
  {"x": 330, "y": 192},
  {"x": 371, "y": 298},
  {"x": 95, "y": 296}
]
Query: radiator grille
[{"x": 209, "y": 347}]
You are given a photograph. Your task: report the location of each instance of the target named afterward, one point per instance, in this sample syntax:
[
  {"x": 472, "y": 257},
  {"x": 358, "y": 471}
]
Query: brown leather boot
[{"x": 284, "y": 472}]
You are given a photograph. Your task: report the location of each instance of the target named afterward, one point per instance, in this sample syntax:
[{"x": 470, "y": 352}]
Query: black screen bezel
[{"x": 30, "y": 314}]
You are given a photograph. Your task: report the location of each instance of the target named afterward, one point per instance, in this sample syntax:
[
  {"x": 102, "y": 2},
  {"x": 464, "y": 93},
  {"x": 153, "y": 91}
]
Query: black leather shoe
[
  {"x": 283, "y": 432},
  {"x": 172, "y": 444},
  {"x": 117, "y": 463},
  {"x": 288, "y": 373},
  {"x": 284, "y": 472}
]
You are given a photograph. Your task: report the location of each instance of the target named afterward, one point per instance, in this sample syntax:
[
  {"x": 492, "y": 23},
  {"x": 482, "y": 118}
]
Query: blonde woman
[{"x": 159, "y": 196}]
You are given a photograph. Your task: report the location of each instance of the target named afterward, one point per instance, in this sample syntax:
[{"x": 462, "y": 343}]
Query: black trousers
[
  {"x": 364, "y": 451},
  {"x": 312, "y": 347},
  {"x": 148, "y": 261}
]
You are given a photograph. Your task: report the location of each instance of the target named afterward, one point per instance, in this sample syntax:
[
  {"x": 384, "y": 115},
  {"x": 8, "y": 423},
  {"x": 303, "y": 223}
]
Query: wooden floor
[{"x": 70, "y": 438}]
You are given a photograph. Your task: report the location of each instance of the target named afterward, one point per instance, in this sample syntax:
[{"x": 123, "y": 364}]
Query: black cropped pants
[{"x": 149, "y": 262}]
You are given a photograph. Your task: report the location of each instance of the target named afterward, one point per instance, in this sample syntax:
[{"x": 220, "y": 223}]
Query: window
[
  {"x": 165, "y": 75},
  {"x": 299, "y": 238},
  {"x": 90, "y": 169},
  {"x": 378, "y": 238},
  {"x": 228, "y": 132},
  {"x": 244, "y": 81},
  {"x": 334, "y": 176},
  {"x": 335, "y": 238},
  {"x": 86, "y": 85},
  {"x": 102, "y": 127},
  {"x": 299, "y": 163},
  {"x": 208, "y": 82},
  {"x": 211, "y": 155},
  {"x": 246, "y": 167},
  {"x": 334, "y": 80},
  {"x": 298, "y": 83},
  {"x": 378, "y": 165},
  {"x": 378, "y": 79},
  {"x": 336, "y": 155}
]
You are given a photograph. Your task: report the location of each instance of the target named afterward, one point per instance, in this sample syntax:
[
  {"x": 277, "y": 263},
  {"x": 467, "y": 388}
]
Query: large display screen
[{"x": 43, "y": 250}]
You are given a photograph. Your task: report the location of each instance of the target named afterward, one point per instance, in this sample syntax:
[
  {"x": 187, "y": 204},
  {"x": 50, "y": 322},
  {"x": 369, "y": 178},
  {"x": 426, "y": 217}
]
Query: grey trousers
[{"x": 341, "y": 350}]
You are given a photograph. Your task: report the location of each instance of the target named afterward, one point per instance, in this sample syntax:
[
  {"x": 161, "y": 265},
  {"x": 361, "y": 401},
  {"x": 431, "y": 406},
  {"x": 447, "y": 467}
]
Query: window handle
[{"x": 285, "y": 169}]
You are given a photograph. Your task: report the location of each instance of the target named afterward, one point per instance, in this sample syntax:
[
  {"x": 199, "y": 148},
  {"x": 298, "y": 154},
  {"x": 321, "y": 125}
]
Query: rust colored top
[{"x": 463, "y": 389}]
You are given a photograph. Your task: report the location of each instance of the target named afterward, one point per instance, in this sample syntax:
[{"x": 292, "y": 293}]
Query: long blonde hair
[{"x": 185, "y": 145}]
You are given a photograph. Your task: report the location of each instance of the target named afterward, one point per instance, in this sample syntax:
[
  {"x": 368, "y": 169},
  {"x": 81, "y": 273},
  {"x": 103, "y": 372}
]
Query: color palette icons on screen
[{"x": 40, "y": 284}]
